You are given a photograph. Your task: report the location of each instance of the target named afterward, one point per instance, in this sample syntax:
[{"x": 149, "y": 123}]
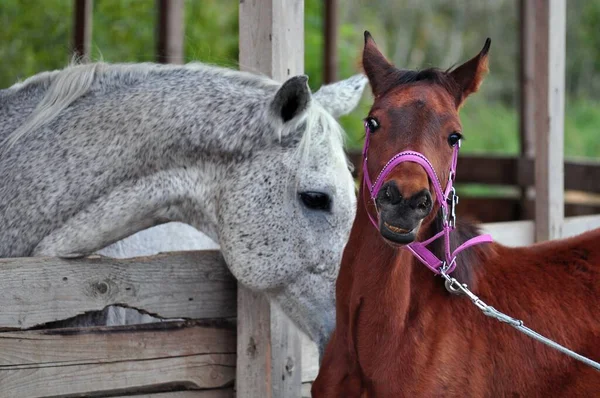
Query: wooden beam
[
  {"x": 77, "y": 346},
  {"x": 497, "y": 209},
  {"x": 119, "y": 360},
  {"x": 170, "y": 32},
  {"x": 82, "y": 29},
  {"x": 269, "y": 357},
  {"x": 330, "y": 36},
  {"x": 220, "y": 393},
  {"x": 527, "y": 94},
  {"x": 38, "y": 290},
  {"x": 522, "y": 233},
  {"x": 549, "y": 83},
  {"x": 526, "y": 77}
]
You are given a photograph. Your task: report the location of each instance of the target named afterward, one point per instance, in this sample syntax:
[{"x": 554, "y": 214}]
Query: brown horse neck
[{"x": 402, "y": 267}]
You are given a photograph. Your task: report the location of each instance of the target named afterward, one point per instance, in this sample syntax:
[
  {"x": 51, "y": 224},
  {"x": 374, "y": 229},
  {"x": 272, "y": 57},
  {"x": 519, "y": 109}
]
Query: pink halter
[{"x": 446, "y": 198}]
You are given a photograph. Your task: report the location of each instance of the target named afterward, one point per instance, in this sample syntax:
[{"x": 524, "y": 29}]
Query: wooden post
[
  {"x": 169, "y": 41},
  {"x": 527, "y": 96},
  {"x": 549, "y": 88},
  {"x": 82, "y": 29},
  {"x": 268, "y": 346},
  {"x": 330, "y": 32}
]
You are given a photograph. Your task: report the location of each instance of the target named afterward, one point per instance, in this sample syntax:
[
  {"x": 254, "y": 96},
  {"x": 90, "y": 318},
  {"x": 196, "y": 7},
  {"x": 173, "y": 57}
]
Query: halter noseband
[{"x": 446, "y": 198}]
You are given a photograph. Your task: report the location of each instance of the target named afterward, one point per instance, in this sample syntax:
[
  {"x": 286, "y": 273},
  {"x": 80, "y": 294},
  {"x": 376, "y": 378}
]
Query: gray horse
[{"x": 94, "y": 153}]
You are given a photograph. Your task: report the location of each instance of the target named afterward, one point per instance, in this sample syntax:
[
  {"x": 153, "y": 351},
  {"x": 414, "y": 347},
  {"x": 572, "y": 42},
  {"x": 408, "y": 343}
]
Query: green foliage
[{"x": 411, "y": 33}]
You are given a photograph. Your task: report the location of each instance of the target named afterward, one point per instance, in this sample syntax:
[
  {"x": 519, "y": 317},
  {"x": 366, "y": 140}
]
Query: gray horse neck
[{"x": 127, "y": 154}]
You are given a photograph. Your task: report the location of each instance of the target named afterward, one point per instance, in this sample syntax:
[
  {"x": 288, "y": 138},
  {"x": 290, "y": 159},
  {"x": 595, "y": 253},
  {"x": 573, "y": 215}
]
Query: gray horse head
[{"x": 109, "y": 150}]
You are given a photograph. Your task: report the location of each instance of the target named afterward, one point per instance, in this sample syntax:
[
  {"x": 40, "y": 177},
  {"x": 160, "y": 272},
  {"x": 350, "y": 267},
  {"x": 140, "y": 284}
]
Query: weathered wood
[
  {"x": 527, "y": 93},
  {"x": 310, "y": 359},
  {"x": 200, "y": 371},
  {"x": 306, "y": 390},
  {"x": 153, "y": 357},
  {"x": 271, "y": 36},
  {"x": 330, "y": 36},
  {"x": 82, "y": 28},
  {"x": 220, "y": 393},
  {"x": 527, "y": 75},
  {"x": 170, "y": 31},
  {"x": 96, "y": 345},
  {"x": 549, "y": 84},
  {"x": 253, "y": 371},
  {"x": 175, "y": 285}
]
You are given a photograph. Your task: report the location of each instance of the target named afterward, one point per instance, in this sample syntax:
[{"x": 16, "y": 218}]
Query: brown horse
[{"x": 399, "y": 332}]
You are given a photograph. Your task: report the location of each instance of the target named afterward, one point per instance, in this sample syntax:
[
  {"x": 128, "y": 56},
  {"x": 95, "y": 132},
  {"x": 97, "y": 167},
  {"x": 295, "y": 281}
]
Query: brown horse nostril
[
  {"x": 392, "y": 194},
  {"x": 422, "y": 202}
]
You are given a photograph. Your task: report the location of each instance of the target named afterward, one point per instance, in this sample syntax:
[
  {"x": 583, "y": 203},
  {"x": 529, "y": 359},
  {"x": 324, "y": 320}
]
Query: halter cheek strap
[{"x": 447, "y": 200}]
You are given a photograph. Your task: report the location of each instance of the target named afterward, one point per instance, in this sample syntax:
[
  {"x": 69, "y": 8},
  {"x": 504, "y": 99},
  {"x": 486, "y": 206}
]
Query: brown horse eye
[
  {"x": 454, "y": 138},
  {"x": 372, "y": 124}
]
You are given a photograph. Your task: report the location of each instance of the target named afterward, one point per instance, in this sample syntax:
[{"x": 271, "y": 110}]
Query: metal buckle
[
  {"x": 452, "y": 202},
  {"x": 451, "y": 284}
]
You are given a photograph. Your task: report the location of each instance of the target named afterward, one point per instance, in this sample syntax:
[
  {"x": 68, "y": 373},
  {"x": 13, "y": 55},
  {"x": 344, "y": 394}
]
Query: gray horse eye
[{"x": 316, "y": 200}]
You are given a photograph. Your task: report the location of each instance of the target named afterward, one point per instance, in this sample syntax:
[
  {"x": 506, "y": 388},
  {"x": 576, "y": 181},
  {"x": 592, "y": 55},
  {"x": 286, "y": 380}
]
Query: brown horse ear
[
  {"x": 469, "y": 75},
  {"x": 378, "y": 69}
]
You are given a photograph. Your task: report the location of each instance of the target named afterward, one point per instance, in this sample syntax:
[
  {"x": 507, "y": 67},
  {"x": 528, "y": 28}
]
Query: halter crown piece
[{"x": 447, "y": 199}]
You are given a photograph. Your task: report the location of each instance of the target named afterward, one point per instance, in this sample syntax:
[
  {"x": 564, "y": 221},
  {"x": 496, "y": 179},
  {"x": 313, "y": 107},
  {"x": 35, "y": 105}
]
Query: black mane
[{"x": 433, "y": 75}]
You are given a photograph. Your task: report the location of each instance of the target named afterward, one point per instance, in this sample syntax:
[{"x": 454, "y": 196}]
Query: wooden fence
[
  {"x": 190, "y": 357},
  {"x": 193, "y": 353}
]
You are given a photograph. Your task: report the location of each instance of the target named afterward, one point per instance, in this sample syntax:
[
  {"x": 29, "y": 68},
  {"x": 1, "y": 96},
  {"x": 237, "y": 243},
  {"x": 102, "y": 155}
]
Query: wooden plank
[
  {"x": 527, "y": 74},
  {"x": 176, "y": 285},
  {"x": 499, "y": 209},
  {"x": 198, "y": 354},
  {"x": 201, "y": 371},
  {"x": 527, "y": 93},
  {"x": 170, "y": 32},
  {"x": 82, "y": 28},
  {"x": 514, "y": 233},
  {"x": 310, "y": 359},
  {"x": 306, "y": 390},
  {"x": 271, "y": 36},
  {"x": 253, "y": 371},
  {"x": 577, "y": 225},
  {"x": 220, "y": 393},
  {"x": 549, "y": 83},
  {"x": 330, "y": 36},
  {"x": 96, "y": 345},
  {"x": 522, "y": 233}
]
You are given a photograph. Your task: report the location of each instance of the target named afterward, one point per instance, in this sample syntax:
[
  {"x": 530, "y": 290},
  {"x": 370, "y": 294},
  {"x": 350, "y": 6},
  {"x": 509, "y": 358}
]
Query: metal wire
[{"x": 456, "y": 287}]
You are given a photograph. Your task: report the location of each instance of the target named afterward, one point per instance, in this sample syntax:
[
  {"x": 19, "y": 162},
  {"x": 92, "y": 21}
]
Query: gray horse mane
[{"x": 63, "y": 87}]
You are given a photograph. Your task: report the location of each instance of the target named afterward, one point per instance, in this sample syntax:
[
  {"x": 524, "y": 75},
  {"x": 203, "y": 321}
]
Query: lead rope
[{"x": 455, "y": 287}]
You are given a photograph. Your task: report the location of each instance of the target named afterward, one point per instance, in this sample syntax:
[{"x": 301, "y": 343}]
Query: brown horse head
[{"x": 417, "y": 111}]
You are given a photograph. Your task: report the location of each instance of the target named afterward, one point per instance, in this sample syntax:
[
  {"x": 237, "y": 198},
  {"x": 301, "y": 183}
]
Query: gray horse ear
[
  {"x": 292, "y": 98},
  {"x": 342, "y": 97}
]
